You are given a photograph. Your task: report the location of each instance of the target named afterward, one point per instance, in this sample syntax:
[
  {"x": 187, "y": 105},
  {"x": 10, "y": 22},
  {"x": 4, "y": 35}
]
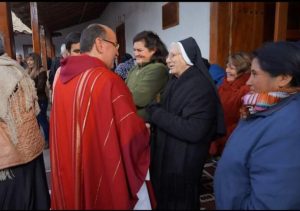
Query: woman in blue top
[{"x": 260, "y": 166}]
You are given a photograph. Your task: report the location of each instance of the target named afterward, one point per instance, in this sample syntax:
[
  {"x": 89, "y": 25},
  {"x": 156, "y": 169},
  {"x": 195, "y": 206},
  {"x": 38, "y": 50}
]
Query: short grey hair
[
  {"x": 2, "y": 50},
  {"x": 174, "y": 45},
  {"x": 89, "y": 35},
  {"x": 178, "y": 46}
]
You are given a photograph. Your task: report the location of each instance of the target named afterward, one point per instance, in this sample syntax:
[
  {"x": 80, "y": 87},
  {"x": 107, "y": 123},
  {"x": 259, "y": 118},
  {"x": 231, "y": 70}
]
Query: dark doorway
[
  {"x": 120, "y": 31},
  {"x": 293, "y": 22}
]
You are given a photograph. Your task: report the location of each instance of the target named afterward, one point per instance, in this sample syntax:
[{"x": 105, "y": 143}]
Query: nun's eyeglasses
[{"x": 172, "y": 55}]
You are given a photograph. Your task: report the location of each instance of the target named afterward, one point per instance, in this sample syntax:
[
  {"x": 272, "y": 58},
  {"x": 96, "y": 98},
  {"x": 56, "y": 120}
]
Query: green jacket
[{"x": 145, "y": 82}]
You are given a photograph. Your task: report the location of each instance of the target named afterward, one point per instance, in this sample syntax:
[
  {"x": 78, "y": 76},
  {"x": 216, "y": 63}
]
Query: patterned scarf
[{"x": 257, "y": 102}]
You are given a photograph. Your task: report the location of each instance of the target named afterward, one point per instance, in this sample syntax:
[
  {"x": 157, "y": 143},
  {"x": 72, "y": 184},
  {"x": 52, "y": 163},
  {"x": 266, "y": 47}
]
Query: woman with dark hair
[
  {"x": 188, "y": 117},
  {"x": 231, "y": 91},
  {"x": 260, "y": 165},
  {"x": 39, "y": 75},
  {"x": 147, "y": 79}
]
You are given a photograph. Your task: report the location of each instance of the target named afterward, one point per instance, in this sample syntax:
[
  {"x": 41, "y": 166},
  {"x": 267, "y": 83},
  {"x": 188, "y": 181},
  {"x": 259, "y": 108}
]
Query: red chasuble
[{"x": 99, "y": 147}]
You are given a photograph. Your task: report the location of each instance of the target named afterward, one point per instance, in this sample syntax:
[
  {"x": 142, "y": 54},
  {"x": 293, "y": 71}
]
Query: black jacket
[
  {"x": 185, "y": 124},
  {"x": 54, "y": 66}
]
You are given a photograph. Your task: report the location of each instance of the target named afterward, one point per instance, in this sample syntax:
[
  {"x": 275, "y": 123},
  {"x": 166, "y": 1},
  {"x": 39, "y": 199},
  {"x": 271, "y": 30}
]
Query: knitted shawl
[{"x": 13, "y": 77}]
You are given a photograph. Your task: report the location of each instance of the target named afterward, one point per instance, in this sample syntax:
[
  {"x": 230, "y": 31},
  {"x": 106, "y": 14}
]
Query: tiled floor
[{"x": 207, "y": 197}]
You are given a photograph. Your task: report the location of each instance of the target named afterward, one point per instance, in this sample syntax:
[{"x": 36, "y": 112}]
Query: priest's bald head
[{"x": 100, "y": 41}]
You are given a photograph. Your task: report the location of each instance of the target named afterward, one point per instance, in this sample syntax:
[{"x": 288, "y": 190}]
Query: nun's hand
[
  {"x": 148, "y": 126},
  {"x": 150, "y": 109}
]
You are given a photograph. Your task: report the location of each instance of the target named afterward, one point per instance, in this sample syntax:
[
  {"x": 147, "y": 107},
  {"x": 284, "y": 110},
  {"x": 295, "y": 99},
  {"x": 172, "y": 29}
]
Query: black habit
[{"x": 185, "y": 121}]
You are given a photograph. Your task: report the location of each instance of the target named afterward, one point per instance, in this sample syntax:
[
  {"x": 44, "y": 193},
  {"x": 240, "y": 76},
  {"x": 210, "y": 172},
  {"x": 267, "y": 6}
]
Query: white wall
[
  {"x": 58, "y": 41},
  {"x": 20, "y": 40},
  {"x": 194, "y": 20}
]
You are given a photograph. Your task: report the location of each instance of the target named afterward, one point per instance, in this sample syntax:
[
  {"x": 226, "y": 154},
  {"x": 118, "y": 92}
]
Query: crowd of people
[{"x": 137, "y": 135}]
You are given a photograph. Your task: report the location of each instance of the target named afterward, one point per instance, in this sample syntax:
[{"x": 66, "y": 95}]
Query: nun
[{"x": 186, "y": 120}]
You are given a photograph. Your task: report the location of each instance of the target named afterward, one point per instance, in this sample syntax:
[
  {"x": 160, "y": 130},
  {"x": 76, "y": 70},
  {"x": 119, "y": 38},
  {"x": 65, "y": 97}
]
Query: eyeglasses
[
  {"x": 172, "y": 55},
  {"x": 117, "y": 45}
]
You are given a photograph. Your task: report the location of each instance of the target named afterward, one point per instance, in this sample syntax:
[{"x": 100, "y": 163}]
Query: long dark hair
[
  {"x": 37, "y": 64},
  {"x": 37, "y": 60},
  {"x": 153, "y": 42}
]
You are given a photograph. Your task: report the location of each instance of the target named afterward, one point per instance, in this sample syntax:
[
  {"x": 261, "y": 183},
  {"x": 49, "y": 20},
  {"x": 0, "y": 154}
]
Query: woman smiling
[{"x": 260, "y": 165}]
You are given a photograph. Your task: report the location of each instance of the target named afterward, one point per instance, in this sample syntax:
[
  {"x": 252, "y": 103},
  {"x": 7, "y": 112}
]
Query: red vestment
[
  {"x": 99, "y": 147},
  {"x": 231, "y": 94}
]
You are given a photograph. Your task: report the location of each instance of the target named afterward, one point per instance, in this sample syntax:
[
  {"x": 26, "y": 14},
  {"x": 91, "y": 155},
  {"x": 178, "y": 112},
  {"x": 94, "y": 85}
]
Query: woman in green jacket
[{"x": 148, "y": 77}]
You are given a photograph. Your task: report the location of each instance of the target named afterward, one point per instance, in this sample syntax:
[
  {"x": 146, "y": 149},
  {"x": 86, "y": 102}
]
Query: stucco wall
[{"x": 194, "y": 20}]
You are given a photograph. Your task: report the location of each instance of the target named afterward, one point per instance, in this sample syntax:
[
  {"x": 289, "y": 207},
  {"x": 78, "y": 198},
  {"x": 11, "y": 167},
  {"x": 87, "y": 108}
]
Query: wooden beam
[
  {"x": 281, "y": 15},
  {"x": 53, "y": 49},
  {"x": 48, "y": 38},
  {"x": 48, "y": 45},
  {"x": 35, "y": 28},
  {"x": 6, "y": 28},
  {"x": 43, "y": 47}
]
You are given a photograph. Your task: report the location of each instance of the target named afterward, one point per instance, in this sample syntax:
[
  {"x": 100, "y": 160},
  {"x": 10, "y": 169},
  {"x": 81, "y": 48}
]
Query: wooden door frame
[
  {"x": 35, "y": 28},
  {"x": 219, "y": 32},
  {"x": 220, "y": 14},
  {"x": 281, "y": 16},
  {"x": 6, "y": 27},
  {"x": 120, "y": 32}
]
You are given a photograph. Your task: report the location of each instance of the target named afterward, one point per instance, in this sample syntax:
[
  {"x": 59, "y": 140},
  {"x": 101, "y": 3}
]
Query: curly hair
[
  {"x": 153, "y": 42},
  {"x": 241, "y": 61}
]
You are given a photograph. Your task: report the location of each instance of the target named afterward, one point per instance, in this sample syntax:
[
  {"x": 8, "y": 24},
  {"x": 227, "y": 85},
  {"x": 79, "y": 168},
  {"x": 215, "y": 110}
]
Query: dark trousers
[
  {"x": 42, "y": 118},
  {"x": 28, "y": 189}
]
